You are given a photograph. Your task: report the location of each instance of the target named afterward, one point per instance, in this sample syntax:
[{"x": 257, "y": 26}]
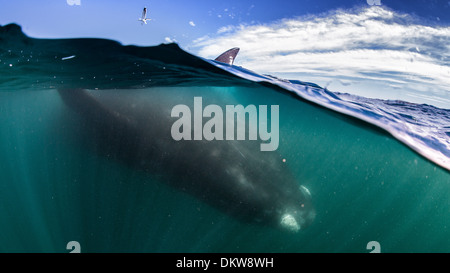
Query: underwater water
[{"x": 376, "y": 170}]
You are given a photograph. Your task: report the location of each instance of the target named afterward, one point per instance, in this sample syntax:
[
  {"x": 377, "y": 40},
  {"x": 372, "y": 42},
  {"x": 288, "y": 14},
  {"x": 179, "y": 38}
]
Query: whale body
[{"x": 235, "y": 177}]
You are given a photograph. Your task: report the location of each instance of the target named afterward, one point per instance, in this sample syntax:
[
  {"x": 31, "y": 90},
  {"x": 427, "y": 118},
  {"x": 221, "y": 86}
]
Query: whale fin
[{"x": 228, "y": 56}]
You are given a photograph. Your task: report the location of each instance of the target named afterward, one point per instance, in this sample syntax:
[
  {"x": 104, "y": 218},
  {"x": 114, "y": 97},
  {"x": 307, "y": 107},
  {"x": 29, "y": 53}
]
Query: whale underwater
[{"x": 232, "y": 176}]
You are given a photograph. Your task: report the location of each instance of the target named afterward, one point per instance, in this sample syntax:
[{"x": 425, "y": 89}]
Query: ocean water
[{"x": 376, "y": 170}]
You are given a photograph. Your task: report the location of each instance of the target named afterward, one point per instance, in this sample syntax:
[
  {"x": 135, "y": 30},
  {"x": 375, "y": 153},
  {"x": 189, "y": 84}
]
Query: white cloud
[
  {"x": 192, "y": 23},
  {"x": 170, "y": 40},
  {"x": 374, "y": 44},
  {"x": 225, "y": 29}
]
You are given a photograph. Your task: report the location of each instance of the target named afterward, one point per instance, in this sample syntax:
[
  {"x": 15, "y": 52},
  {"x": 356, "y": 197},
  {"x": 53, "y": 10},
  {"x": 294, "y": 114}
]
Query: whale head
[{"x": 298, "y": 214}]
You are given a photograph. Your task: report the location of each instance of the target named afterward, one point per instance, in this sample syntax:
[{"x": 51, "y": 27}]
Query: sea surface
[{"x": 377, "y": 170}]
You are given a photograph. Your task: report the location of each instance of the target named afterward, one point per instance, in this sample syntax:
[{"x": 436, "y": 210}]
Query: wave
[{"x": 28, "y": 63}]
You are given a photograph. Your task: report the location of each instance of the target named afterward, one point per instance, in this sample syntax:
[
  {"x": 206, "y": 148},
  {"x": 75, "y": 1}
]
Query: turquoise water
[{"x": 365, "y": 184}]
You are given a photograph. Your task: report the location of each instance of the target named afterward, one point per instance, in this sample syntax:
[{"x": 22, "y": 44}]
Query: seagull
[{"x": 144, "y": 18}]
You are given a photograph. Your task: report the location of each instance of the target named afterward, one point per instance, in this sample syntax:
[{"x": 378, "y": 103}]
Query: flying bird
[{"x": 144, "y": 18}]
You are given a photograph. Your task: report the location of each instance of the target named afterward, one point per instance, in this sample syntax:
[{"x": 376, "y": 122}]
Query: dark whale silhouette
[{"x": 232, "y": 176}]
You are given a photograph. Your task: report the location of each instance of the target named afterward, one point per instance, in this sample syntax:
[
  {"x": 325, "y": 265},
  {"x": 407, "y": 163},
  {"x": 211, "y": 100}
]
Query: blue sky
[
  {"x": 118, "y": 19},
  {"x": 397, "y": 50}
]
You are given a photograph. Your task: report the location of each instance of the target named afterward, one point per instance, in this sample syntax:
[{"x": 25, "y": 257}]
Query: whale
[
  {"x": 228, "y": 56},
  {"x": 133, "y": 127}
]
